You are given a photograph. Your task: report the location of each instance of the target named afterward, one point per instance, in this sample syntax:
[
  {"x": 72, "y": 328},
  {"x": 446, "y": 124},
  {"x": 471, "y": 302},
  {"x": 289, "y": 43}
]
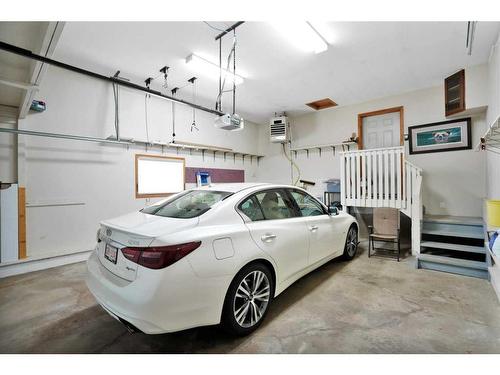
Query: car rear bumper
[{"x": 158, "y": 301}]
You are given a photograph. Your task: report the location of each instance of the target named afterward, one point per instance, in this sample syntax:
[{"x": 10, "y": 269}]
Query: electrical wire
[
  {"x": 146, "y": 116},
  {"x": 213, "y": 27},
  {"x": 117, "y": 118},
  {"x": 227, "y": 71},
  {"x": 173, "y": 120},
  {"x": 290, "y": 159}
]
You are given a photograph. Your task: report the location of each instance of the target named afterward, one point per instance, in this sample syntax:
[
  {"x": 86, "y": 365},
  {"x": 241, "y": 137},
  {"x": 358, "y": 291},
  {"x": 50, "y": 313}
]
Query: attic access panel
[{"x": 322, "y": 104}]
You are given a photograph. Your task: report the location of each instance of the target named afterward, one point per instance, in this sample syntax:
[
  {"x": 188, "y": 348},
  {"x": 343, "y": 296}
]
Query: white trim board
[{"x": 31, "y": 265}]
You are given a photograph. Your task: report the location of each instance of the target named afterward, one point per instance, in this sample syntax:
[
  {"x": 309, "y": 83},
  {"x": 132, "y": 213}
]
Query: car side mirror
[{"x": 333, "y": 211}]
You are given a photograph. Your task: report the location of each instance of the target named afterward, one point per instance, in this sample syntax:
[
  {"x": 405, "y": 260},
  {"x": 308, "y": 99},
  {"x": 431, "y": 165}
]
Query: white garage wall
[
  {"x": 8, "y": 165},
  {"x": 454, "y": 182},
  {"x": 72, "y": 185},
  {"x": 493, "y": 159}
]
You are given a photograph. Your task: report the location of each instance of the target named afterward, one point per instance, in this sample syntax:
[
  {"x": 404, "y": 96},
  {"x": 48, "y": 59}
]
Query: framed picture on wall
[{"x": 451, "y": 135}]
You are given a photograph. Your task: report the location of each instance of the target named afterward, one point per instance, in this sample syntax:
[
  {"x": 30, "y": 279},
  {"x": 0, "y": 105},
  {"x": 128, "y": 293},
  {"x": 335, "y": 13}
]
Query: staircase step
[
  {"x": 453, "y": 246},
  {"x": 453, "y": 230},
  {"x": 447, "y": 219},
  {"x": 453, "y": 265}
]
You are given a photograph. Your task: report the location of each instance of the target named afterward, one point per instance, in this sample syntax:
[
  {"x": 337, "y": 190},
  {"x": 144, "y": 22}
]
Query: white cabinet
[{"x": 8, "y": 223}]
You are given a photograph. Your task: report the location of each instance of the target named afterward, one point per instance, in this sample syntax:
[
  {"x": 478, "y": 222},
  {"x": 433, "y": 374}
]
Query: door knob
[
  {"x": 313, "y": 228},
  {"x": 268, "y": 237}
]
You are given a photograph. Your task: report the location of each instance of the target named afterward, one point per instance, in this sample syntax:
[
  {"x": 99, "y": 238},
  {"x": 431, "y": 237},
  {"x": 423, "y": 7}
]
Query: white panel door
[{"x": 381, "y": 131}]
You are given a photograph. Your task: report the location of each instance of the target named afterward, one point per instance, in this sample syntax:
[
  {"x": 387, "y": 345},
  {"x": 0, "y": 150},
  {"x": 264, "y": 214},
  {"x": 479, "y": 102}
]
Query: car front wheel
[
  {"x": 248, "y": 299},
  {"x": 351, "y": 243}
]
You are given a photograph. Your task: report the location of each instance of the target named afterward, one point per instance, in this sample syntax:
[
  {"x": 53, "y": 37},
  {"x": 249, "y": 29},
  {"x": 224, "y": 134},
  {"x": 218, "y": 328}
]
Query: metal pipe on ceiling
[
  {"x": 64, "y": 136},
  {"x": 30, "y": 55}
]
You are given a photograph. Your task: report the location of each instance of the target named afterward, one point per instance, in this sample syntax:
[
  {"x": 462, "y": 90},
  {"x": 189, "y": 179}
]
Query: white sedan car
[{"x": 211, "y": 255}]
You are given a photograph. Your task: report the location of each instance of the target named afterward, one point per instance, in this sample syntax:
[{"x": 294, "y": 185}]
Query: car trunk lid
[{"x": 133, "y": 230}]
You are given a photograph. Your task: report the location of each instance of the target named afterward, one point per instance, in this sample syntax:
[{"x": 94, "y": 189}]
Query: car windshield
[{"x": 191, "y": 204}]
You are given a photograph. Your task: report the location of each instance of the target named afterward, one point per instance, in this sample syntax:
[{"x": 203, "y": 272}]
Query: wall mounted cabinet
[{"x": 454, "y": 93}]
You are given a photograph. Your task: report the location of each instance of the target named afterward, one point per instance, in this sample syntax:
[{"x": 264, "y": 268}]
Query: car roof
[{"x": 233, "y": 187}]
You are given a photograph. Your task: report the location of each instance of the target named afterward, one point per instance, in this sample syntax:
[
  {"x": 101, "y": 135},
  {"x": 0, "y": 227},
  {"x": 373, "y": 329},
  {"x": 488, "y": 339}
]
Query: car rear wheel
[
  {"x": 351, "y": 243},
  {"x": 248, "y": 299}
]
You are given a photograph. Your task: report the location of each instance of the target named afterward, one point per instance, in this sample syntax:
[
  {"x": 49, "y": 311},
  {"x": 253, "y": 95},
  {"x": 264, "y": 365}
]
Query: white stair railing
[
  {"x": 373, "y": 178},
  {"x": 383, "y": 178}
]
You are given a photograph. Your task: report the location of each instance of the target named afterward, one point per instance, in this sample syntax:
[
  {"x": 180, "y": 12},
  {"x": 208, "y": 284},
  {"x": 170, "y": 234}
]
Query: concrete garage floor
[{"x": 364, "y": 306}]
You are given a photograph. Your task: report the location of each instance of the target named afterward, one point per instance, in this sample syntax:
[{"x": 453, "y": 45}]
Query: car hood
[{"x": 146, "y": 225}]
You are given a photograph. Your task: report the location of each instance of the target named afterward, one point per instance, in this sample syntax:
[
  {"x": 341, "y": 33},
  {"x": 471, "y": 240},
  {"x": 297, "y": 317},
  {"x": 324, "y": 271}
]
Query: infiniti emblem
[{"x": 108, "y": 232}]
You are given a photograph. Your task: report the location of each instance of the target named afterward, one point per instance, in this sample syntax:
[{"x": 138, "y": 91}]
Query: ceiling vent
[{"x": 322, "y": 104}]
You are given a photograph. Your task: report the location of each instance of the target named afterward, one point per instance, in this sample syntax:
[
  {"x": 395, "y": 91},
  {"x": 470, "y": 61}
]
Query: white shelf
[
  {"x": 180, "y": 145},
  {"x": 320, "y": 147}
]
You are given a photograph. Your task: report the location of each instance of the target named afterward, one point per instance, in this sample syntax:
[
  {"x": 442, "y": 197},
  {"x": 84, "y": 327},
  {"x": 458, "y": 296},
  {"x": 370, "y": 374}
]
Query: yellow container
[{"x": 493, "y": 212}]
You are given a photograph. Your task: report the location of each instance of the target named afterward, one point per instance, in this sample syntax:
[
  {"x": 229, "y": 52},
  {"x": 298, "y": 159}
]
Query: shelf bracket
[{"x": 319, "y": 148}]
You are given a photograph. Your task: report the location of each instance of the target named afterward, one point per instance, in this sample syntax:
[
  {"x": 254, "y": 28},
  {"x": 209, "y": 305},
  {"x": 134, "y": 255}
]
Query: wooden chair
[{"x": 385, "y": 228}]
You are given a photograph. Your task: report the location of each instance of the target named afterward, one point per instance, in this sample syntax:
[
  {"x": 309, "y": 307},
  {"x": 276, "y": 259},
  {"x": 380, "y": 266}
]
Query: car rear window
[{"x": 191, "y": 204}]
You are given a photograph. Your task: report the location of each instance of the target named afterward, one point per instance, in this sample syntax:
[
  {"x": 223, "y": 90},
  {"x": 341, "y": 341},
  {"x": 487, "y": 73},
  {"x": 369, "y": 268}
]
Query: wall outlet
[{"x": 442, "y": 204}]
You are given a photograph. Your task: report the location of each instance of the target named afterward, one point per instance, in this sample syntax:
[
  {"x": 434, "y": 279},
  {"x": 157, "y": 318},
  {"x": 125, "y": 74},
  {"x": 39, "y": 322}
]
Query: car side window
[
  {"x": 251, "y": 208},
  {"x": 275, "y": 205},
  {"x": 308, "y": 206}
]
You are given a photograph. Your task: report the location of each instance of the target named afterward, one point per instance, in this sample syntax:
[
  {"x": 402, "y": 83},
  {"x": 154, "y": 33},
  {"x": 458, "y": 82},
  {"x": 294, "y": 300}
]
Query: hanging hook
[
  {"x": 173, "y": 91},
  {"x": 164, "y": 70},
  {"x": 193, "y": 124}
]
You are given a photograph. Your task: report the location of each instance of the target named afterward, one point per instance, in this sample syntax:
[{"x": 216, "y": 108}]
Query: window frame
[
  {"x": 181, "y": 195},
  {"x": 157, "y": 195},
  {"x": 292, "y": 206},
  {"x": 256, "y": 201},
  {"x": 289, "y": 192}
]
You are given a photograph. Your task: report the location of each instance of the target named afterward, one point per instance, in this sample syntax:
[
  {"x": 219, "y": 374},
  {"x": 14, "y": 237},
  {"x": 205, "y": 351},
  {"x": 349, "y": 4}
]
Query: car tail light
[{"x": 159, "y": 256}]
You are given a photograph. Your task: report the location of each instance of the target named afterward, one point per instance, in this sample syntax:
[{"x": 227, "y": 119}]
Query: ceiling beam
[
  {"x": 115, "y": 80},
  {"x": 229, "y": 29}
]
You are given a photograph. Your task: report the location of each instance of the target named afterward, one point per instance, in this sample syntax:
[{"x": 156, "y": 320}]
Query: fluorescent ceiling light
[
  {"x": 303, "y": 35},
  {"x": 211, "y": 70}
]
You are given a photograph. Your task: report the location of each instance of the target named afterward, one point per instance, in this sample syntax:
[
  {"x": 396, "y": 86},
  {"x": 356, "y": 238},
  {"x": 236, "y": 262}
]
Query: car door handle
[
  {"x": 313, "y": 228},
  {"x": 268, "y": 237}
]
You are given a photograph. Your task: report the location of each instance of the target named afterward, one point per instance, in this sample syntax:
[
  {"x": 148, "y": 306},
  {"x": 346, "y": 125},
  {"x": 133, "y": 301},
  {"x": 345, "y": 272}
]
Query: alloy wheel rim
[
  {"x": 352, "y": 242},
  {"x": 251, "y": 299}
]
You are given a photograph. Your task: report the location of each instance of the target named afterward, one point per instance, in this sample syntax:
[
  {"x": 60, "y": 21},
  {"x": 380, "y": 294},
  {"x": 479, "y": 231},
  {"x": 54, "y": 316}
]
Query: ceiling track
[
  {"x": 30, "y": 55},
  {"x": 229, "y": 29}
]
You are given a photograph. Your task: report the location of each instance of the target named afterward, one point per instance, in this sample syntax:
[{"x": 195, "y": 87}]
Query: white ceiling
[{"x": 366, "y": 60}]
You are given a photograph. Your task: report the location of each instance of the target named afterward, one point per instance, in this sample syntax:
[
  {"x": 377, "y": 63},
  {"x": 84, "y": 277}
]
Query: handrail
[
  {"x": 419, "y": 170},
  {"x": 374, "y": 149}
]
